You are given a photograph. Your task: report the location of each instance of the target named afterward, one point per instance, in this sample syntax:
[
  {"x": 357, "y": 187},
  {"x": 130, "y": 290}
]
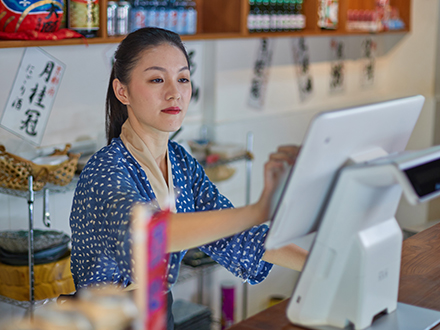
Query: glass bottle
[
  {"x": 181, "y": 16},
  {"x": 251, "y": 17},
  {"x": 191, "y": 18},
  {"x": 266, "y": 16},
  {"x": 273, "y": 12},
  {"x": 258, "y": 15}
]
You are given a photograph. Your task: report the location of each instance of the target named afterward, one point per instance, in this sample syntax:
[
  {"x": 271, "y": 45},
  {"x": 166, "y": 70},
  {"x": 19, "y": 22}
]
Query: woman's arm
[
  {"x": 188, "y": 230},
  {"x": 290, "y": 256}
]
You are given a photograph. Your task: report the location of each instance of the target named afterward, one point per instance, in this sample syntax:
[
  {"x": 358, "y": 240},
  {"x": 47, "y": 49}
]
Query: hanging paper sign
[
  {"x": 195, "y": 54},
  {"x": 368, "y": 62},
  {"x": 261, "y": 74},
  {"x": 337, "y": 66},
  {"x": 33, "y": 93},
  {"x": 301, "y": 58}
]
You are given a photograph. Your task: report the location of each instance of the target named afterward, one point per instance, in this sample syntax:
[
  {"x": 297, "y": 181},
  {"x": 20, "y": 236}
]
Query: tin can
[
  {"x": 122, "y": 17},
  {"x": 84, "y": 17},
  {"x": 111, "y": 18}
]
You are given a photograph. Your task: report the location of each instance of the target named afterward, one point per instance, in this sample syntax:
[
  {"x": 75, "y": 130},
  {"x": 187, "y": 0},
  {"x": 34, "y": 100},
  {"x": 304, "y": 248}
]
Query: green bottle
[
  {"x": 266, "y": 16},
  {"x": 273, "y": 12},
  {"x": 251, "y": 17},
  {"x": 258, "y": 15}
]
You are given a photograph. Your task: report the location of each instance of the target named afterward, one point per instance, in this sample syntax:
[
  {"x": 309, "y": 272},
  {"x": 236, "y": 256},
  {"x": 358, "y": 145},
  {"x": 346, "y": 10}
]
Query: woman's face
[{"x": 159, "y": 92}]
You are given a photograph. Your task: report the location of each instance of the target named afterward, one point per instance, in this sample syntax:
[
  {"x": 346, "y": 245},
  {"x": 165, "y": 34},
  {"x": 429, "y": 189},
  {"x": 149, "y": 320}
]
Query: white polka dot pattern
[{"x": 111, "y": 183}]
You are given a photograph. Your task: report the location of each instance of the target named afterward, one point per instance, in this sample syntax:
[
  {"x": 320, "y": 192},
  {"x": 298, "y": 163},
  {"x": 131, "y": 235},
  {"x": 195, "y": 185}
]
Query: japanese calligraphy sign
[
  {"x": 261, "y": 73},
  {"x": 196, "y": 56},
  {"x": 33, "y": 93},
  {"x": 301, "y": 58},
  {"x": 368, "y": 50},
  {"x": 337, "y": 65}
]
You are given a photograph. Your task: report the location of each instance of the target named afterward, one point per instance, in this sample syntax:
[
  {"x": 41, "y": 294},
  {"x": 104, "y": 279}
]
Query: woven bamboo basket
[{"x": 14, "y": 170}]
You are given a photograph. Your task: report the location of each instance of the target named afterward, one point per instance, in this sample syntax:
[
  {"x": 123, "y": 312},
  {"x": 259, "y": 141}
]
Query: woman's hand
[
  {"x": 279, "y": 162},
  {"x": 188, "y": 230}
]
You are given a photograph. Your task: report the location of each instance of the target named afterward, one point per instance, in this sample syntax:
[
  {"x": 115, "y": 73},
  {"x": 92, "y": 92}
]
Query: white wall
[{"x": 405, "y": 66}]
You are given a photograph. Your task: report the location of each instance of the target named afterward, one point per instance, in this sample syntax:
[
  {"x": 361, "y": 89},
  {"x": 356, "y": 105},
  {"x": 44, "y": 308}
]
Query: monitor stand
[
  {"x": 352, "y": 272},
  {"x": 405, "y": 317}
]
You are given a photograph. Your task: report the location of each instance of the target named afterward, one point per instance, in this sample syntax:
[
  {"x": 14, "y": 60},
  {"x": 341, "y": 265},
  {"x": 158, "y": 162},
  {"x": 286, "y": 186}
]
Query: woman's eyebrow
[{"x": 159, "y": 68}]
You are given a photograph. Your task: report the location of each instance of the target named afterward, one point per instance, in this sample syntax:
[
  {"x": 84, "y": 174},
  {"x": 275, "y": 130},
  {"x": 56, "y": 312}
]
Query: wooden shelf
[{"x": 227, "y": 19}]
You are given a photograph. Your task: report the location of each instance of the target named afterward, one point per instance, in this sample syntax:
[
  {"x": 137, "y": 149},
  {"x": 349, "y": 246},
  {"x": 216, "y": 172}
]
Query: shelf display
[
  {"x": 219, "y": 19},
  {"x": 382, "y": 17},
  {"x": 275, "y": 16}
]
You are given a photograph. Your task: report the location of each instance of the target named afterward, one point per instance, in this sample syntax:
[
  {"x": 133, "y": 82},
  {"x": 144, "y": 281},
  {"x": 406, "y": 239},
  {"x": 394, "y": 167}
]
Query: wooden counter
[{"x": 419, "y": 283}]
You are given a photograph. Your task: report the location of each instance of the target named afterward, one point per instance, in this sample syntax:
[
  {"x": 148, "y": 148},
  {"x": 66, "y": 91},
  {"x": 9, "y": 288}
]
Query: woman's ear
[{"x": 120, "y": 91}]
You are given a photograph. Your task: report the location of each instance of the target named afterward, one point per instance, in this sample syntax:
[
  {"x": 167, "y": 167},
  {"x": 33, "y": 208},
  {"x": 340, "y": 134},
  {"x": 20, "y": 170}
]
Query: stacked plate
[{"x": 49, "y": 246}]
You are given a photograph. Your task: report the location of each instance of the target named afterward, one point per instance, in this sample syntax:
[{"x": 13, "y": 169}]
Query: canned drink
[
  {"x": 123, "y": 14},
  {"x": 111, "y": 18},
  {"x": 84, "y": 17}
]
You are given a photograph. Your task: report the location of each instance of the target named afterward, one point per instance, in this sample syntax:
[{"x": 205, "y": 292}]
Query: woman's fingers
[{"x": 285, "y": 154}]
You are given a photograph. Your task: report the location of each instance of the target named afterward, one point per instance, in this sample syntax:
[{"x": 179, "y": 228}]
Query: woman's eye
[
  {"x": 157, "y": 80},
  {"x": 184, "y": 80}
]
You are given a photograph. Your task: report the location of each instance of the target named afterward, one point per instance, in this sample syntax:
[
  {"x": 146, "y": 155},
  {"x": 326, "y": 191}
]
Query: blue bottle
[
  {"x": 191, "y": 18},
  {"x": 181, "y": 16},
  {"x": 138, "y": 15},
  {"x": 162, "y": 14},
  {"x": 172, "y": 16},
  {"x": 152, "y": 14}
]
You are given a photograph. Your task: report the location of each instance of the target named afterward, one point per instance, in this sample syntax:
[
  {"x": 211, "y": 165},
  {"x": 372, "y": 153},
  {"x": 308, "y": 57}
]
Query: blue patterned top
[{"x": 112, "y": 182}]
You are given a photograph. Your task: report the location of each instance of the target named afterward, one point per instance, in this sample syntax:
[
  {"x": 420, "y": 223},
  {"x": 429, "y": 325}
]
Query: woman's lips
[{"x": 172, "y": 110}]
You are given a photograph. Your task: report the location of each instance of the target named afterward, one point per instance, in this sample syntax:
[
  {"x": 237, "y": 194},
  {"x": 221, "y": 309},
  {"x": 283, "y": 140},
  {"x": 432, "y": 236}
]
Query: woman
[{"x": 148, "y": 96}]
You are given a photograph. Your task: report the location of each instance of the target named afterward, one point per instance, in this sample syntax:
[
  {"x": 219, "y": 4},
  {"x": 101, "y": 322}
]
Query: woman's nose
[{"x": 173, "y": 92}]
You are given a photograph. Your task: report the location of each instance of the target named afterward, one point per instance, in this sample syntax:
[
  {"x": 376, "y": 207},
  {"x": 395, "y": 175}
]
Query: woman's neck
[{"x": 157, "y": 143}]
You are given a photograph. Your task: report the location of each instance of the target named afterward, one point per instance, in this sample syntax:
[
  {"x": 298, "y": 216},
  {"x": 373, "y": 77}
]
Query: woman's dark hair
[{"x": 126, "y": 57}]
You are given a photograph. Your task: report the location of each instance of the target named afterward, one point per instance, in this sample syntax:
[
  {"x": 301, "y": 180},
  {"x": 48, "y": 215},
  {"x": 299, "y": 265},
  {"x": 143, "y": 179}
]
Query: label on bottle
[
  {"x": 273, "y": 22},
  {"x": 258, "y": 22},
  {"x": 265, "y": 22},
  {"x": 251, "y": 22},
  {"x": 138, "y": 18},
  {"x": 172, "y": 20},
  {"x": 84, "y": 14}
]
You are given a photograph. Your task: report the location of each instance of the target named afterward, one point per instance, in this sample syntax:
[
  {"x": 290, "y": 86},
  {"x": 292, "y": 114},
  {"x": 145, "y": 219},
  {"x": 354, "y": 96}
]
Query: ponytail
[{"x": 115, "y": 112}]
